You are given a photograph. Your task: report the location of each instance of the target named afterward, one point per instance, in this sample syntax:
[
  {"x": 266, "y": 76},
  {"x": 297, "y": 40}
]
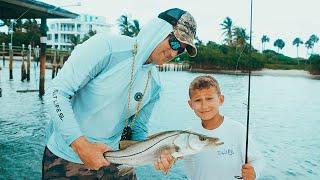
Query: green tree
[
  {"x": 128, "y": 27},
  {"x": 17, "y": 25},
  {"x": 32, "y": 31},
  {"x": 279, "y": 43},
  {"x": 309, "y": 45},
  {"x": 264, "y": 40},
  {"x": 88, "y": 35},
  {"x": 198, "y": 41},
  {"x": 75, "y": 40},
  {"x": 124, "y": 25},
  {"x": 315, "y": 66},
  {"x": 240, "y": 37},
  {"x": 5, "y": 22},
  {"x": 135, "y": 27},
  {"x": 314, "y": 38},
  {"x": 227, "y": 26},
  {"x": 24, "y": 32},
  {"x": 296, "y": 42}
]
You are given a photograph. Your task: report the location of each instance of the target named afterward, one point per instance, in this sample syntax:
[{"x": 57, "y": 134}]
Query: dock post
[
  {"x": 23, "y": 67},
  {"x": 3, "y": 51},
  {"x": 10, "y": 61},
  {"x": 54, "y": 62},
  {"x": 28, "y": 62},
  {"x": 43, "y": 42}
]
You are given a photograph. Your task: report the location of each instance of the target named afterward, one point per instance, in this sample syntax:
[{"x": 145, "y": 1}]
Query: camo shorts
[{"x": 54, "y": 167}]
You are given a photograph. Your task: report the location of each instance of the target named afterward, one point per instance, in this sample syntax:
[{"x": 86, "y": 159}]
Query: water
[{"x": 285, "y": 116}]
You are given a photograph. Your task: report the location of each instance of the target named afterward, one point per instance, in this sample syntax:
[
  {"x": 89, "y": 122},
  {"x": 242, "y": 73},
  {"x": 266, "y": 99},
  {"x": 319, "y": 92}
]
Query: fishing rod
[{"x": 249, "y": 88}]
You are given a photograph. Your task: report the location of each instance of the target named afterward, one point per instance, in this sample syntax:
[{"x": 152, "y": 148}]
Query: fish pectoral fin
[
  {"x": 167, "y": 149},
  {"x": 177, "y": 152},
  {"x": 176, "y": 155},
  {"x": 126, "y": 143},
  {"x": 124, "y": 170}
]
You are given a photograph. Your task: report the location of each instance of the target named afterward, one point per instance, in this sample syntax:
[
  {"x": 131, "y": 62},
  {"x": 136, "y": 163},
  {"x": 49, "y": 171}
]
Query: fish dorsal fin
[
  {"x": 126, "y": 143},
  {"x": 160, "y": 133}
]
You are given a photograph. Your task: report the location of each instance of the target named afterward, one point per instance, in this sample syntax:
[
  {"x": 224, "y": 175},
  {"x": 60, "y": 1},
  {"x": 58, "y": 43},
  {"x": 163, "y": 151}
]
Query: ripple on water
[
  {"x": 290, "y": 172},
  {"x": 268, "y": 177},
  {"x": 310, "y": 163}
]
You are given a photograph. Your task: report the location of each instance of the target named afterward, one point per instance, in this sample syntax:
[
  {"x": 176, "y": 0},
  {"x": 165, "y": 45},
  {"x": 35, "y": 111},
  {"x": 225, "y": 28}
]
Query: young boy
[{"x": 225, "y": 161}]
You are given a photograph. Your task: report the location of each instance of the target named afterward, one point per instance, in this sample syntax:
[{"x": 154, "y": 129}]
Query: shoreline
[
  {"x": 265, "y": 71},
  {"x": 262, "y": 72}
]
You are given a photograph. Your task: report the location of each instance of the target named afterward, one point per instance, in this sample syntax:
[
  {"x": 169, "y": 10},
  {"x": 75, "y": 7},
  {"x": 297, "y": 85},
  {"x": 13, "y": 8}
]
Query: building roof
[{"x": 14, "y": 9}]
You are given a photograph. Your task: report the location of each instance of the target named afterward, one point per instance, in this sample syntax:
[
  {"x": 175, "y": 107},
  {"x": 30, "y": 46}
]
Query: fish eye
[{"x": 201, "y": 138}]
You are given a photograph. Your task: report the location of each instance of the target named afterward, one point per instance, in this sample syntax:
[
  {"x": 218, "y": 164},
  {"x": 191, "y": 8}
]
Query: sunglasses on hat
[{"x": 175, "y": 44}]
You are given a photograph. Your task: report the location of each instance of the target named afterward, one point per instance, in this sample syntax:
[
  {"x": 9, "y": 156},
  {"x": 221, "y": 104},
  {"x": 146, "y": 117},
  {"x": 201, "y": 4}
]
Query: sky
[{"x": 285, "y": 19}]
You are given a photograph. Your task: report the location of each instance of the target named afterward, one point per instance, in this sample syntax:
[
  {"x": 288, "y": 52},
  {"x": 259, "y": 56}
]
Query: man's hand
[
  {"x": 248, "y": 172},
  {"x": 165, "y": 162},
  {"x": 91, "y": 154}
]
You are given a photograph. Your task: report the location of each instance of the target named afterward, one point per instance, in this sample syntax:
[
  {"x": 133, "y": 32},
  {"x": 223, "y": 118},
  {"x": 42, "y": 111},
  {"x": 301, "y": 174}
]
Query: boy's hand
[
  {"x": 165, "y": 162},
  {"x": 91, "y": 154},
  {"x": 248, "y": 172}
]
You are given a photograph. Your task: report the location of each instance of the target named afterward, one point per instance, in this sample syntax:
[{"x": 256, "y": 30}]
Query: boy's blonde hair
[{"x": 204, "y": 82}]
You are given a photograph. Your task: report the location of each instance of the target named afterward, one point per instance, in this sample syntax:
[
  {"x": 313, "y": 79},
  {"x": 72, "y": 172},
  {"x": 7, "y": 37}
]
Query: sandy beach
[
  {"x": 293, "y": 72},
  {"x": 269, "y": 72}
]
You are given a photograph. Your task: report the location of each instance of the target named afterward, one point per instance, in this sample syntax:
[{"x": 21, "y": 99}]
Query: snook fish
[{"x": 178, "y": 143}]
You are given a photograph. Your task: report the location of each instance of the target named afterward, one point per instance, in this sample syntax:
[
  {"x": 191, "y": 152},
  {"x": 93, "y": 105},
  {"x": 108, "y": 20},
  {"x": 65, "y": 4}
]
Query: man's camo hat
[{"x": 184, "y": 27}]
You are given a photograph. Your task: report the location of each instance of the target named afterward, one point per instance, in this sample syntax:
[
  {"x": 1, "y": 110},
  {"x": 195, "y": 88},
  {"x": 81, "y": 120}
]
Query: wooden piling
[
  {"x": 43, "y": 42},
  {"x": 23, "y": 67},
  {"x": 28, "y": 62},
  {"x": 54, "y": 63},
  {"x": 36, "y": 52},
  {"x": 3, "y": 51},
  {"x": 10, "y": 61}
]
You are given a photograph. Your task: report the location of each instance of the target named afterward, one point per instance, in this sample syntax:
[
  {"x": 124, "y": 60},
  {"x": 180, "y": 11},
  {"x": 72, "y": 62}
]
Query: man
[{"x": 106, "y": 89}]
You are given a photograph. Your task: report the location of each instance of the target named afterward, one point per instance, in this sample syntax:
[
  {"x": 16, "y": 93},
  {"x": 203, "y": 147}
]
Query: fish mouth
[{"x": 215, "y": 141}]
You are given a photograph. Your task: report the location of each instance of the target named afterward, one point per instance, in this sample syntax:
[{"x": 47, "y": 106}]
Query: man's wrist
[{"x": 80, "y": 142}]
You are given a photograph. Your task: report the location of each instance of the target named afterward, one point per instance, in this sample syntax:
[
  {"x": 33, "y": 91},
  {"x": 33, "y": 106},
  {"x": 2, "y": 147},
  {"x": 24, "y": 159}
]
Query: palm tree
[
  {"x": 264, "y": 40},
  {"x": 75, "y": 40},
  {"x": 5, "y": 22},
  {"x": 33, "y": 31},
  {"x": 227, "y": 26},
  {"x": 309, "y": 45},
  {"x": 125, "y": 25},
  {"x": 296, "y": 42},
  {"x": 279, "y": 43},
  {"x": 88, "y": 35},
  {"x": 314, "y": 38},
  {"x": 240, "y": 37},
  {"x": 198, "y": 41},
  {"x": 135, "y": 27},
  {"x": 17, "y": 25}
]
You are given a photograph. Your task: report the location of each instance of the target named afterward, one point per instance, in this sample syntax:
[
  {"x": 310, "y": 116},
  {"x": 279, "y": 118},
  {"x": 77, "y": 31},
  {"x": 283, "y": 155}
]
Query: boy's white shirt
[{"x": 225, "y": 161}]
